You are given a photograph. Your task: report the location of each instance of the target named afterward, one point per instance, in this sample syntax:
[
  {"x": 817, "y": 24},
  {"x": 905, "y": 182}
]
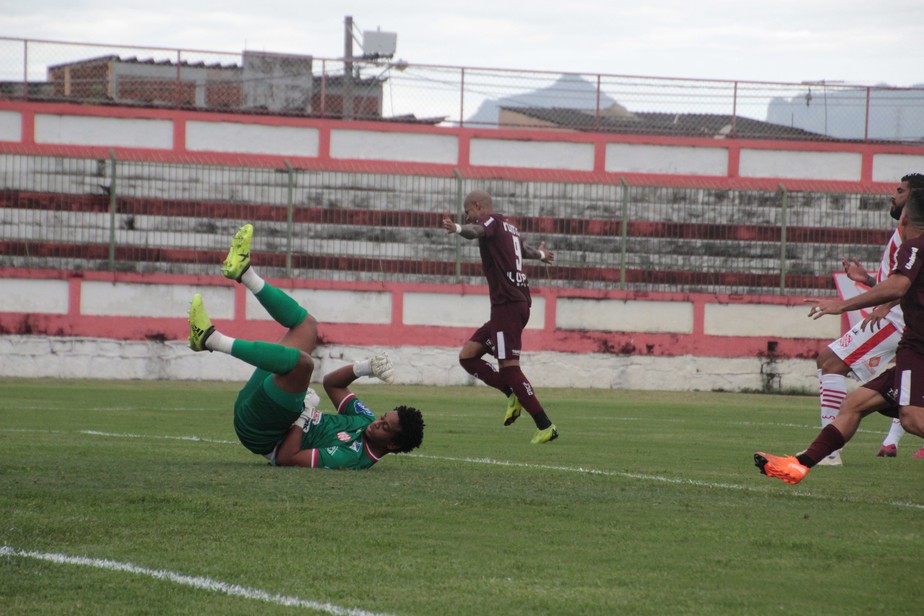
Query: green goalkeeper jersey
[{"x": 336, "y": 441}]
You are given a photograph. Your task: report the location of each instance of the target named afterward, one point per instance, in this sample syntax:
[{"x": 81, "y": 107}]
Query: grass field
[{"x": 135, "y": 498}]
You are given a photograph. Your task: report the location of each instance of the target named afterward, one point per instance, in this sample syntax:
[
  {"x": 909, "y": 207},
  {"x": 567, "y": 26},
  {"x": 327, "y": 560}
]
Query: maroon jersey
[
  {"x": 909, "y": 262},
  {"x": 502, "y": 258}
]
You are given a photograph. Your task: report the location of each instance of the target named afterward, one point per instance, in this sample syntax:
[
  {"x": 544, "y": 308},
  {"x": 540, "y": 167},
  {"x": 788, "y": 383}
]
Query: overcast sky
[{"x": 854, "y": 41}]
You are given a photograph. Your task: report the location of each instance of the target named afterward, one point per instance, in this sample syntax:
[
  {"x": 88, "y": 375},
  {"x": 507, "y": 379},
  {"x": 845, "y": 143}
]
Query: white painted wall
[
  {"x": 400, "y": 147},
  {"x": 773, "y": 321},
  {"x": 10, "y": 126},
  {"x": 612, "y": 315},
  {"x": 800, "y": 165},
  {"x": 95, "y": 131},
  {"x": 891, "y": 167},
  {"x": 635, "y": 158},
  {"x": 95, "y": 358},
  {"x": 33, "y": 296},
  {"x": 442, "y": 309},
  {"x": 251, "y": 138},
  {"x": 532, "y": 154}
]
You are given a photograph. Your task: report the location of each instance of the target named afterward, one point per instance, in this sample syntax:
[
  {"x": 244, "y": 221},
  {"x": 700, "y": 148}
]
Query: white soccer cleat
[
  {"x": 382, "y": 368},
  {"x": 833, "y": 459}
]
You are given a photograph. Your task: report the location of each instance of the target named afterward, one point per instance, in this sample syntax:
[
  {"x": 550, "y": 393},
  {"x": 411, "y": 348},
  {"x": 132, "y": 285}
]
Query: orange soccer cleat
[{"x": 787, "y": 468}]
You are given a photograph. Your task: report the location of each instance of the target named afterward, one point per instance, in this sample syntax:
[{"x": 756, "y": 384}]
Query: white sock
[
  {"x": 252, "y": 281},
  {"x": 896, "y": 432},
  {"x": 832, "y": 394},
  {"x": 219, "y": 342}
]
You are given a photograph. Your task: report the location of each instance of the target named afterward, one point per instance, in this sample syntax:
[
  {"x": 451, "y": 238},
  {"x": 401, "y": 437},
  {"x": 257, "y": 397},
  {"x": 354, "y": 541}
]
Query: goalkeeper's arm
[{"x": 337, "y": 383}]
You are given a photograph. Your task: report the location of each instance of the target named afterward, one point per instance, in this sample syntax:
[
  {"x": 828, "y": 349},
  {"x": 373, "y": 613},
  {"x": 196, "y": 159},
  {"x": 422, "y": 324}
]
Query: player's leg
[
  {"x": 508, "y": 322},
  {"x": 470, "y": 358},
  {"x": 792, "y": 469},
  {"x": 264, "y": 410},
  {"x": 858, "y": 353},
  {"x": 889, "y": 448},
  {"x": 832, "y": 389}
]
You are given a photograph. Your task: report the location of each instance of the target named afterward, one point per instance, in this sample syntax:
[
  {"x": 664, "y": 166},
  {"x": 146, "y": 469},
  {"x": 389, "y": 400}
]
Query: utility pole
[{"x": 347, "y": 96}]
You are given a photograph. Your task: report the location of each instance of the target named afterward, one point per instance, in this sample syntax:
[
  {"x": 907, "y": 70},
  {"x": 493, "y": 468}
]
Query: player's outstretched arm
[
  {"x": 892, "y": 288},
  {"x": 469, "y": 232},
  {"x": 542, "y": 253}
]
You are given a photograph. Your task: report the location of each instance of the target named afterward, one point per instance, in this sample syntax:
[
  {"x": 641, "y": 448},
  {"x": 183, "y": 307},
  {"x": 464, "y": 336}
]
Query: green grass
[{"x": 649, "y": 503}]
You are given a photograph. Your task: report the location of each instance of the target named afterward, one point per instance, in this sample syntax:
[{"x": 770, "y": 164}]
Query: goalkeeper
[{"x": 275, "y": 414}]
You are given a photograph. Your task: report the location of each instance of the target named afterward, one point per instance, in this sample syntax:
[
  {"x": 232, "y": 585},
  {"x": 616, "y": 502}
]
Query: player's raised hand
[
  {"x": 549, "y": 255},
  {"x": 854, "y": 270},
  {"x": 448, "y": 225}
]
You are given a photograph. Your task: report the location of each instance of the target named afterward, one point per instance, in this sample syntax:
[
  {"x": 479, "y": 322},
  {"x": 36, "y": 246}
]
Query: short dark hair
[
  {"x": 412, "y": 427},
  {"x": 914, "y": 207},
  {"x": 915, "y": 180}
]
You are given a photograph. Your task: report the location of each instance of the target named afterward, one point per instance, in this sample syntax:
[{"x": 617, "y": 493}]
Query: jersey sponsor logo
[
  {"x": 344, "y": 437},
  {"x": 517, "y": 278},
  {"x": 356, "y": 446},
  {"x": 912, "y": 258},
  {"x": 362, "y": 409}
]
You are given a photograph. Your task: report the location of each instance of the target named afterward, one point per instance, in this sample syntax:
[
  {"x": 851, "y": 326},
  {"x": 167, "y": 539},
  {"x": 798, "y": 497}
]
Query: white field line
[
  {"x": 566, "y": 469},
  {"x": 198, "y": 582}
]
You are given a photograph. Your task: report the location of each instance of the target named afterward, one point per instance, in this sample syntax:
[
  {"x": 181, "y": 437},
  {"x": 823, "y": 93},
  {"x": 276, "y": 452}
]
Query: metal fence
[
  {"x": 129, "y": 216},
  {"x": 258, "y": 82}
]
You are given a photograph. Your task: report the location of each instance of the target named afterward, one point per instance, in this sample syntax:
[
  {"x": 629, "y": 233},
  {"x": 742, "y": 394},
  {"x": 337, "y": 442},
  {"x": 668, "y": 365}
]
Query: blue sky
[{"x": 851, "y": 41}]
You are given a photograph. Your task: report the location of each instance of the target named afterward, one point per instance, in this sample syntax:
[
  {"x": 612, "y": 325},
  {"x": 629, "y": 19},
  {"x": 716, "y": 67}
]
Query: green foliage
[{"x": 649, "y": 503}]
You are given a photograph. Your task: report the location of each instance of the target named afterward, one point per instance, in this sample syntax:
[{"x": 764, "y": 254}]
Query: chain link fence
[
  {"x": 128, "y": 216},
  {"x": 260, "y": 82}
]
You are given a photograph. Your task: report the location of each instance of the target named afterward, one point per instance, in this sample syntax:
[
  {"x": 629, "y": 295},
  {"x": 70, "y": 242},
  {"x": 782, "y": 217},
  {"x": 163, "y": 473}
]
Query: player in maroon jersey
[
  {"x": 897, "y": 392},
  {"x": 502, "y": 255},
  {"x": 861, "y": 353}
]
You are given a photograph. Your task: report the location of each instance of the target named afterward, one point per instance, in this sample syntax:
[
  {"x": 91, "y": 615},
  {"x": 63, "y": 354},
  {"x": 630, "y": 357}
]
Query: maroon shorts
[
  {"x": 902, "y": 384},
  {"x": 504, "y": 332}
]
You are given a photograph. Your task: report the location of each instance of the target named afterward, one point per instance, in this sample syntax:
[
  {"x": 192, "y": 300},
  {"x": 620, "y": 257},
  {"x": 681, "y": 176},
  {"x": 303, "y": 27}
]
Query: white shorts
[{"x": 866, "y": 352}]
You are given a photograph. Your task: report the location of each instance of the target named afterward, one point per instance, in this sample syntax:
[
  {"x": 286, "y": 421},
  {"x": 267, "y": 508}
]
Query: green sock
[
  {"x": 274, "y": 358},
  {"x": 280, "y": 305}
]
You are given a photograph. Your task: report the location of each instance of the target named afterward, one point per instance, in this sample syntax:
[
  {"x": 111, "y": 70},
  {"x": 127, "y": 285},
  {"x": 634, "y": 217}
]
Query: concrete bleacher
[{"x": 54, "y": 213}]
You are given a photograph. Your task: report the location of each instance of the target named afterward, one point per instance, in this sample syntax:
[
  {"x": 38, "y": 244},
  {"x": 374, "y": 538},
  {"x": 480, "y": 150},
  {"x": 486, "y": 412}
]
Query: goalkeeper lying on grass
[{"x": 275, "y": 414}]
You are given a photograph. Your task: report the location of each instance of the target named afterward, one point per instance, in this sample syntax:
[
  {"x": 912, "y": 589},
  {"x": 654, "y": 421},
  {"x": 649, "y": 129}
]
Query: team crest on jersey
[
  {"x": 362, "y": 409},
  {"x": 344, "y": 437},
  {"x": 845, "y": 340}
]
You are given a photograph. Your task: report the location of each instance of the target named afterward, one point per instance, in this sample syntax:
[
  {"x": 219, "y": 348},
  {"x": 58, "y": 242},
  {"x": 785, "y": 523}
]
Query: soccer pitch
[{"x": 136, "y": 498}]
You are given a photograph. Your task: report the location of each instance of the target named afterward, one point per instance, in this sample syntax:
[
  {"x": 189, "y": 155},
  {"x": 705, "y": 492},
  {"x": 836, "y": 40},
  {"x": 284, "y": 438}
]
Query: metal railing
[
  {"x": 255, "y": 82},
  {"x": 126, "y": 215}
]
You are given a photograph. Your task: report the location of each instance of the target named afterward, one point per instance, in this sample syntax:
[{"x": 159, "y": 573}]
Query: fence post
[
  {"x": 459, "y": 212},
  {"x": 290, "y": 217},
  {"x": 623, "y": 233},
  {"x": 783, "y": 222},
  {"x": 112, "y": 209}
]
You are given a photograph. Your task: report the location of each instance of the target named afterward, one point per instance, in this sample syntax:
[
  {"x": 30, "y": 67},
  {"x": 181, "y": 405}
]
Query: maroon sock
[
  {"x": 485, "y": 372},
  {"x": 828, "y": 441},
  {"x": 514, "y": 378}
]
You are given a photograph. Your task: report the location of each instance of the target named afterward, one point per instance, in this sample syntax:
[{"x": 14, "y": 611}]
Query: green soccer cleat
[
  {"x": 238, "y": 259},
  {"x": 200, "y": 326},
  {"x": 514, "y": 408},
  {"x": 544, "y": 436}
]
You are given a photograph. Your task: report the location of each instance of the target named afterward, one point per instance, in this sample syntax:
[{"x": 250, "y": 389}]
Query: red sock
[
  {"x": 514, "y": 378},
  {"x": 828, "y": 441}
]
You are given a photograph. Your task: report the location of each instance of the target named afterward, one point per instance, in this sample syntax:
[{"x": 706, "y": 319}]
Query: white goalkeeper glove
[
  {"x": 382, "y": 368},
  {"x": 379, "y": 365}
]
